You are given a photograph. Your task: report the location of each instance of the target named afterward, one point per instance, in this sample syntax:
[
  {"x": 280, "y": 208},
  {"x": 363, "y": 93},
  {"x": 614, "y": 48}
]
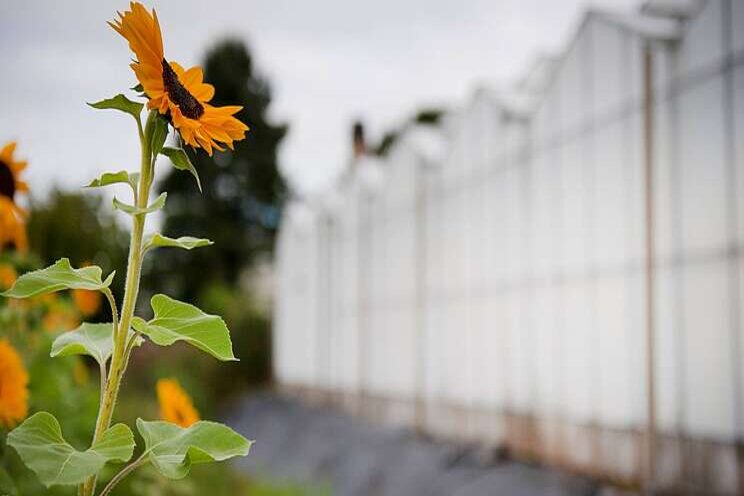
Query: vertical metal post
[
  {"x": 420, "y": 257},
  {"x": 364, "y": 259},
  {"x": 648, "y": 157}
]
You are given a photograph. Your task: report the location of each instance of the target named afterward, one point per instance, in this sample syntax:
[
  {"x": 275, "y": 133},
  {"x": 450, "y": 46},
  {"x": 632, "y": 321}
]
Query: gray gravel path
[{"x": 317, "y": 446}]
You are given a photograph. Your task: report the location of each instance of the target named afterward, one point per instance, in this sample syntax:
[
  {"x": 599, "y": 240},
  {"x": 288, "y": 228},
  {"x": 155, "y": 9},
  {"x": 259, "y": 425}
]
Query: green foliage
[
  {"x": 42, "y": 448},
  {"x": 427, "y": 116},
  {"x": 76, "y": 225},
  {"x": 251, "y": 337},
  {"x": 242, "y": 189},
  {"x": 157, "y": 240},
  {"x": 132, "y": 210},
  {"x": 57, "y": 277},
  {"x": 121, "y": 103},
  {"x": 181, "y": 161},
  {"x": 7, "y": 486},
  {"x": 172, "y": 449},
  {"x": 177, "y": 321},
  {"x": 109, "y": 178},
  {"x": 159, "y": 134},
  {"x": 431, "y": 116},
  {"x": 95, "y": 340}
]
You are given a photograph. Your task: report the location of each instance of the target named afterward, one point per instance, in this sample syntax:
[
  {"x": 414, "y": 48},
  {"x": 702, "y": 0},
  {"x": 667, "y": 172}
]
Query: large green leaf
[
  {"x": 95, "y": 340},
  {"x": 120, "y": 102},
  {"x": 42, "y": 448},
  {"x": 121, "y": 177},
  {"x": 132, "y": 210},
  {"x": 186, "y": 242},
  {"x": 178, "y": 321},
  {"x": 57, "y": 277},
  {"x": 181, "y": 161},
  {"x": 7, "y": 486},
  {"x": 172, "y": 449}
]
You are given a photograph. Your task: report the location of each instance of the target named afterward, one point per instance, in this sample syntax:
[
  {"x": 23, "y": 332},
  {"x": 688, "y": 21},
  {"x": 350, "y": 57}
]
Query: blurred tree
[
  {"x": 243, "y": 190},
  {"x": 426, "y": 116},
  {"x": 76, "y": 225}
]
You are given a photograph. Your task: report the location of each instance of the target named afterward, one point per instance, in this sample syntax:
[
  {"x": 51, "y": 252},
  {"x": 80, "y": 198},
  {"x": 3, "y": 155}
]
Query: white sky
[{"x": 329, "y": 62}]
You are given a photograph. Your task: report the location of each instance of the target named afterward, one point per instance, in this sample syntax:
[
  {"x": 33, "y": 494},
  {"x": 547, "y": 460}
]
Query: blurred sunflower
[
  {"x": 12, "y": 229},
  {"x": 60, "y": 317},
  {"x": 13, "y": 386},
  {"x": 175, "y": 404},
  {"x": 8, "y": 276},
  {"x": 88, "y": 302},
  {"x": 179, "y": 94}
]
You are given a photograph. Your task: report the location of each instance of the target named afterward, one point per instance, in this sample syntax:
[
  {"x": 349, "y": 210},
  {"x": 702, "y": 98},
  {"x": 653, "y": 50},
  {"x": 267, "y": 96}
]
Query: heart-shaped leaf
[
  {"x": 42, "y": 448},
  {"x": 132, "y": 210},
  {"x": 172, "y": 449},
  {"x": 108, "y": 178},
  {"x": 57, "y": 277},
  {"x": 95, "y": 340},
  {"x": 120, "y": 102},
  {"x": 186, "y": 242},
  {"x": 181, "y": 161},
  {"x": 178, "y": 321}
]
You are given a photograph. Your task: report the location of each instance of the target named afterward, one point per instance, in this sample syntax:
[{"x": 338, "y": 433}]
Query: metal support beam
[{"x": 648, "y": 162}]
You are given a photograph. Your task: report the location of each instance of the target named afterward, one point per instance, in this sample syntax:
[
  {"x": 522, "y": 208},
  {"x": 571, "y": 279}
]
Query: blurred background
[{"x": 467, "y": 247}]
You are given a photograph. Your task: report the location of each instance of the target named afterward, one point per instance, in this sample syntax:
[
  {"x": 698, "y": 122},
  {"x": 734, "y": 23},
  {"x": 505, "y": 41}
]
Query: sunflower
[
  {"x": 60, "y": 317},
  {"x": 88, "y": 302},
  {"x": 175, "y": 404},
  {"x": 177, "y": 93},
  {"x": 8, "y": 276},
  {"x": 12, "y": 229},
  {"x": 13, "y": 386}
]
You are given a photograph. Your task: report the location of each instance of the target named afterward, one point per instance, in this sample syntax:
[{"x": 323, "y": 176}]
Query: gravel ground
[{"x": 320, "y": 447}]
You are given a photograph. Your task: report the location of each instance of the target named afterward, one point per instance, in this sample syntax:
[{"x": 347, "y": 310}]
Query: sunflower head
[
  {"x": 179, "y": 94},
  {"x": 175, "y": 404},
  {"x": 13, "y": 386},
  {"x": 12, "y": 227}
]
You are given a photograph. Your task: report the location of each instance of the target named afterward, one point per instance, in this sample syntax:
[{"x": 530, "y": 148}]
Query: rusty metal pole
[{"x": 648, "y": 158}]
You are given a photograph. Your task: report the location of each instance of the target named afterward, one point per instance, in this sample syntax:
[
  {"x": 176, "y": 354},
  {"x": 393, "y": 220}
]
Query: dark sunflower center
[
  {"x": 190, "y": 106},
  {"x": 7, "y": 181}
]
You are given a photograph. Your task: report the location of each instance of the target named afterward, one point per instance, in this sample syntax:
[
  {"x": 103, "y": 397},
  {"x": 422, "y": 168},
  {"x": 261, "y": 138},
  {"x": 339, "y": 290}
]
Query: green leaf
[
  {"x": 42, "y": 448},
  {"x": 7, "y": 486},
  {"x": 157, "y": 240},
  {"x": 95, "y": 340},
  {"x": 120, "y": 102},
  {"x": 178, "y": 321},
  {"x": 138, "y": 88},
  {"x": 181, "y": 161},
  {"x": 132, "y": 210},
  {"x": 56, "y": 278},
  {"x": 108, "y": 178},
  {"x": 159, "y": 134},
  {"x": 172, "y": 449}
]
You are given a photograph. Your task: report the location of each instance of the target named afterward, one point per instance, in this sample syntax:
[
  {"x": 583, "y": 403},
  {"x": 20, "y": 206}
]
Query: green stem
[
  {"x": 134, "y": 268},
  {"x": 123, "y": 473}
]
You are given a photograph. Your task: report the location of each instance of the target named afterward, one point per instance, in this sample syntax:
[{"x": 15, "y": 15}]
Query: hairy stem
[
  {"x": 134, "y": 267},
  {"x": 123, "y": 473}
]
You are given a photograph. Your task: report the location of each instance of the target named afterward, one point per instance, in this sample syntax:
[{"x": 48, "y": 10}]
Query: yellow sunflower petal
[{"x": 13, "y": 386}]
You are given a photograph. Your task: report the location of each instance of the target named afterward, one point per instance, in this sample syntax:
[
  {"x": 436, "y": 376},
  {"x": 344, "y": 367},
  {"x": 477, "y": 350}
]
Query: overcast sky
[{"x": 329, "y": 62}]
